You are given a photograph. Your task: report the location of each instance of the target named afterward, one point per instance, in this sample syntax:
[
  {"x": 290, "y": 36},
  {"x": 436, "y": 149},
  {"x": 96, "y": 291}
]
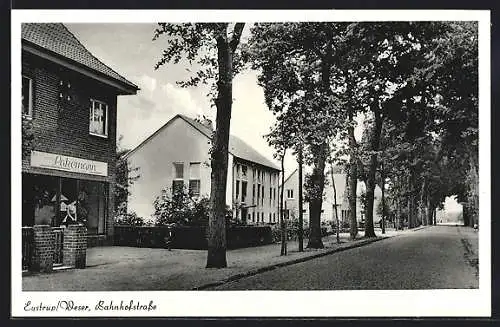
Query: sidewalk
[
  {"x": 470, "y": 241},
  {"x": 140, "y": 269}
]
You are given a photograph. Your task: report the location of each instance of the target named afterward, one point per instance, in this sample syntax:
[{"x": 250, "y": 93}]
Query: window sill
[{"x": 99, "y": 135}]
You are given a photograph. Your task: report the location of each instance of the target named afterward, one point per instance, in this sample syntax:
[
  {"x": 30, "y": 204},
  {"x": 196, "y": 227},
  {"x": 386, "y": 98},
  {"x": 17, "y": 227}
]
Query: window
[
  {"x": 243, "y": 191},
  {"x": 258, "y": 192},
  {"x": 258, "y": 216},
  {"x": 237, "y": 190},
  {"x": 249, "y": 216},
  {"x": 98, "y": 118},
  {"x": 178, "y": 170},
  {"x": 194, "y": 178},
  {"x": 289, "y": 194},
  {"x": 262, "y": 196},
  {"x": 237, "y": 169},
  {"x": 177, "y": 186},
  {"x": 270, "y": 195},
  {"x": 244, "y": 171},
  {"x": 194, "y": 187},
  {"x": 27, "y": 96},
  {"x": 253, "y": 216},
  {"x": 274, "y": 217},
  {"x": 269, "y": 217},
  {"x": 253, "y": 191},
  {"x": 178, "y": 181}
]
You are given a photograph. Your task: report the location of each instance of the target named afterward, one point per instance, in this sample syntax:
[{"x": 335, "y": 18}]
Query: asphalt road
[{"x": 430, "y": 258}]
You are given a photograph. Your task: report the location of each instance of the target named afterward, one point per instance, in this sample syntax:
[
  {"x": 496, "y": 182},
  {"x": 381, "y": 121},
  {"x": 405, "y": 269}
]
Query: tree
[
  {"x": 300, "y": 162},
  {"x": 295, "y": 63},
  {"x": 125, "y": 177},
  {"x": 278, "y": 140},
  {"x": 337, "y": 223},
  {"x": 214, "y": 48}
]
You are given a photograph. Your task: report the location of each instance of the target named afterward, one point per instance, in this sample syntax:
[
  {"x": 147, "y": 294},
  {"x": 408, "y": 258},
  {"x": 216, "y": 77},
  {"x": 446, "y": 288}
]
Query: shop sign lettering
[{"x": 66, "y": 163}]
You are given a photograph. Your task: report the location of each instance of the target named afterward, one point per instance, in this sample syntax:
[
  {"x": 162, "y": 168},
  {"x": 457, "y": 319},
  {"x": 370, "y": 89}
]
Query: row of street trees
[{"x": 415, "y": 84}]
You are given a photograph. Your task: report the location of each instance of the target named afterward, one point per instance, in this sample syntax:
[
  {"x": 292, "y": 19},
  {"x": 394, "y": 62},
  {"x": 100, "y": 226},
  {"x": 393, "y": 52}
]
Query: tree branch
[{"x": 235, "y": 40}]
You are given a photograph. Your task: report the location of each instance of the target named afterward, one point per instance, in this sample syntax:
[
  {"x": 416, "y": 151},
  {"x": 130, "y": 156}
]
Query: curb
[{"x": 287, "y": 263}]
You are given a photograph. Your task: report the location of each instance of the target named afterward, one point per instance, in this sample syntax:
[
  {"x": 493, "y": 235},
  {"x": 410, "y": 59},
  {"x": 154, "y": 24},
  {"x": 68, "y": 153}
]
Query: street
[{"x": 437, "y": 257}]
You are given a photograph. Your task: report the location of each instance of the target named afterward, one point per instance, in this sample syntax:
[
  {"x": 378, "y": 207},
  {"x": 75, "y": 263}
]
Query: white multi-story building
[{"x": 177, "y": 155}]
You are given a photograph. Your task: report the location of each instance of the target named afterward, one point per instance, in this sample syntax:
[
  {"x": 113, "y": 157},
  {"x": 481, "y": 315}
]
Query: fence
[
  {"x": 189, "y": 237},
  {"x": 58, "y": 245},
  {"x": 28, "y": 246}
]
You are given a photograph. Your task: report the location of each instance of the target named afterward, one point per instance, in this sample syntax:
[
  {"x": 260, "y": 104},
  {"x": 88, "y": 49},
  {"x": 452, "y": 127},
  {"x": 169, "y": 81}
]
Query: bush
[
  {"x": 129, "y": 219},
  {"x": 179, "y": 207}
]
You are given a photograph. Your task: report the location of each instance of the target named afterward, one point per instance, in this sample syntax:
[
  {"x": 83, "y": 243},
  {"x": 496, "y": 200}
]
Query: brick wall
[
  {"x": 62, "y": 126},
  {"x": 75, "y": 246},
  {"x": 43, "y": 253}
]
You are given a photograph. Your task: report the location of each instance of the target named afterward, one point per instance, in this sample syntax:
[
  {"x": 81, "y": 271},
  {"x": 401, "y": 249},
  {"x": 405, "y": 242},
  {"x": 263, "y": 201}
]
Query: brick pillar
[
  {"x": 43, "y": 254},
  {"x": 75, "y": 246}
]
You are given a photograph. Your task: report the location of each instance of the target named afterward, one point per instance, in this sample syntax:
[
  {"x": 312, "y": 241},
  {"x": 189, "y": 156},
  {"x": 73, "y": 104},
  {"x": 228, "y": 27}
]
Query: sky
[{"x": 130, "y": 51}]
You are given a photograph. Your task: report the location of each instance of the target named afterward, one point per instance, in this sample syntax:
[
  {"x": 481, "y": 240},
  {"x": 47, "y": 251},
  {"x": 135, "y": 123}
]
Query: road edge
[{"x": 288, "y": 263}]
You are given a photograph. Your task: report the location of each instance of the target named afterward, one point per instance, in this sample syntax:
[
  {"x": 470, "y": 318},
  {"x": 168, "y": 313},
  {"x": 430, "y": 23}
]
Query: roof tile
[{"x": 56, "y": 38}]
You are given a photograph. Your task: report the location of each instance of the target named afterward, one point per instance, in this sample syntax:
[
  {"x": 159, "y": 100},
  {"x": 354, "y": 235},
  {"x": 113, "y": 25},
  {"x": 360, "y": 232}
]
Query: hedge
[{"x": 189, "y": 237}]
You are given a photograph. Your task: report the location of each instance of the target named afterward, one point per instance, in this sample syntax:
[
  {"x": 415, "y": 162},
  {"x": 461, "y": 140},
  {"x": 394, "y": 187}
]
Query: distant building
[
  {"x": 177, "y": 155},
  {"x": 291, "y": 192},
  {"x": 71, "y": 99}
]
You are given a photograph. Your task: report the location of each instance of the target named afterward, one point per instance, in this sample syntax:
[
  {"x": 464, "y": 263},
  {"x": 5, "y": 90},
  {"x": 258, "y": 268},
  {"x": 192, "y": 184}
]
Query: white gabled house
[
  {"x": 291, "y": 199},
  {"x": 177, "y": 154}
]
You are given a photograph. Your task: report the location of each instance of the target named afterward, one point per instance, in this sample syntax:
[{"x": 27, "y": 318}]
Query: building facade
[
  {"x": 177, "y": 155},
  {"x": 291, "y": 200},
  {"x": 70, "y": 99}
]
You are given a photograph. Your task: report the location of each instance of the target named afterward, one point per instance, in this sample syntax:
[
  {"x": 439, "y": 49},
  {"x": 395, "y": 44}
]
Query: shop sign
[{"x": 66, "y": 163}]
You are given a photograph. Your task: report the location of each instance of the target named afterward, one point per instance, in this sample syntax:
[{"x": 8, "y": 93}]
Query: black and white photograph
[{"x": 166, "y": 159}]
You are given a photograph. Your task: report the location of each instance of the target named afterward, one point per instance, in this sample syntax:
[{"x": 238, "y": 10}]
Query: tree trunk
[
  {"x": 335, "y": 205},
  {"x": 217, "y": 221},
  {"x": 370, "y": 181},
  {"x": 411, "y": 203},
  {"x": 422, "y": 204},
  {"x": 398, "y": 213},
  {"x": 316, "y": 201},
  {"x": 301, "y": 199},
  {"x": 428, "y": 210},
  {"x": 382, "y": 178},
  {"x": 282, "y": 213},
  {"x": 353, "y": 182}
]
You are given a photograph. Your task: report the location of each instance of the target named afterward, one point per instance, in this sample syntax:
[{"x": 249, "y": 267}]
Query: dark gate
[
  {"x": 58, "y": 246},
  {"x": 28, "y": 246}
]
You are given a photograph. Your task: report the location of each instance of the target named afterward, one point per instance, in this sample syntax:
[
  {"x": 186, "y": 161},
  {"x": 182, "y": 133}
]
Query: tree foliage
[{"x": 125, "y": 177}]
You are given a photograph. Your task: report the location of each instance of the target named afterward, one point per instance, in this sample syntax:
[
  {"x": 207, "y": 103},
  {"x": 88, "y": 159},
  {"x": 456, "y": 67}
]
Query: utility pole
[{"x": 301, "y": 218}]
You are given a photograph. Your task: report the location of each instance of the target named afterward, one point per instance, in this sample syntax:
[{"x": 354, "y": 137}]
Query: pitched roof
[
  {"x": 237, "y": 147},
  {"x": 56, "y": 38},
  {"x": 291, "y": 174}
]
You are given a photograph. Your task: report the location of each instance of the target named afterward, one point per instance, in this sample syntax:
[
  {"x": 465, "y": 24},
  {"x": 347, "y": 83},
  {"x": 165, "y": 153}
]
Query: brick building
[{"x": 71, "y": 99}]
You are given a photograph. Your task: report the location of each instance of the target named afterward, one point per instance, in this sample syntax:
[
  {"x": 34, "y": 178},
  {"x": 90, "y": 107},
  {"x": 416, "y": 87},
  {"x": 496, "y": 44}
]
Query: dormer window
[{"x": 98, "y": 118}]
